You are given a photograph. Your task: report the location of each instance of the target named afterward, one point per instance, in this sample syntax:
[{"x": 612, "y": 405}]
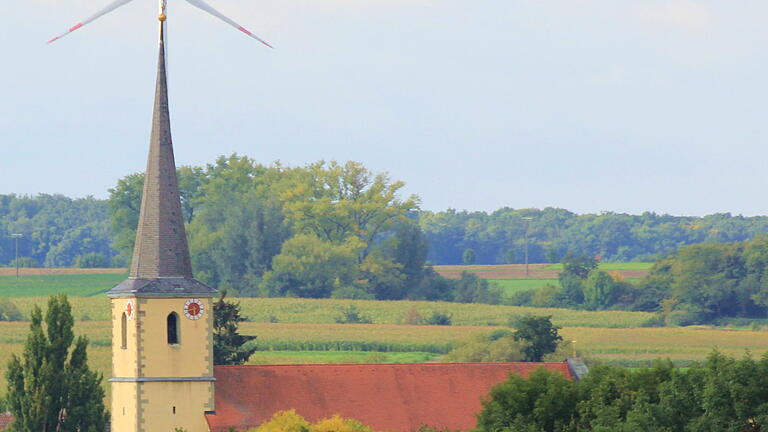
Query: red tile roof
[
  {"x": 5, "y": 420},
  {"x": 391, "y": 397}
]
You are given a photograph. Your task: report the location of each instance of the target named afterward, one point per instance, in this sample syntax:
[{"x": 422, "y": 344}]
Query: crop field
[
  {"x": 353, "y": 343},
  {"x": 537, "y": 271},
  {"x": 292, "y": 331},
  {"x": 292, "y": 310}
]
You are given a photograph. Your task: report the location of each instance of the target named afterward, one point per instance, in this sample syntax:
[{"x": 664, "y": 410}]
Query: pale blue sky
[{"x": 588, "y": 105}]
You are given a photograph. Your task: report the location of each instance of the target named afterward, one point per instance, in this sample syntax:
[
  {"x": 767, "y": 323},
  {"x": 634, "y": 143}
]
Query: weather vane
[{"x": 162, "y": 17}]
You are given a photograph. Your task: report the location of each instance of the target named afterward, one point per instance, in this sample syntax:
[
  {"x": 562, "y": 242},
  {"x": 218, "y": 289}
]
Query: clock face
[
  {"x": 129, "y": 309},
  {"x": 193, "y": 309}
]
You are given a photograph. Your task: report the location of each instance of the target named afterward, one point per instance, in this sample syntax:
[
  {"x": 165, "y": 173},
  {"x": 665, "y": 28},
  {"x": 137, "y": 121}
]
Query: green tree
[
  {"x": 50, "y": 387},
  {"x": 91, "y": 260},
  {"x": 543, "y": 402},
  {"x": 542, "y": 337},
  {"x": 579, "y": 265},
  {"x": 310, "y": 267},
  {"x": 335, "y": 202},
  {"x": 381, "y": 277},
  {"x": 228, "y": 344},
  {"x": 408, "y": 247},
  {"x": 509, "y": 256},
  {"x": 468, "y": 257},
  {"x": 233, "y": 249},
  {"x": 471, "y": 289},
  {"x": 124, "y": 204},
  {"x": 599, "y": 290}
]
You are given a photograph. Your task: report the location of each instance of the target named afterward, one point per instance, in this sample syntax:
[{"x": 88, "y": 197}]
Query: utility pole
[
  {"x": 527, "y": 220},
  {"x": 16, "y": 237}
]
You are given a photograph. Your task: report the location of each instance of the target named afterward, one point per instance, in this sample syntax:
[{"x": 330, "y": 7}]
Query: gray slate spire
[{"x": 161, "y": 263}]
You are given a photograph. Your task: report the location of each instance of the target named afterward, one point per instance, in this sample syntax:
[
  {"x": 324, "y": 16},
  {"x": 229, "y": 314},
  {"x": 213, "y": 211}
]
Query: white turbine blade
[
  {"x": 206, "y": 7},
  {"x": 112, "y": 6}
]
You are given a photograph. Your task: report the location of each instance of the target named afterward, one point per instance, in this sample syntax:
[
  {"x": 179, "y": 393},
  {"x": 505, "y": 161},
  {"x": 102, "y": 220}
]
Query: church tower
[{"x": 162, "y": 318}]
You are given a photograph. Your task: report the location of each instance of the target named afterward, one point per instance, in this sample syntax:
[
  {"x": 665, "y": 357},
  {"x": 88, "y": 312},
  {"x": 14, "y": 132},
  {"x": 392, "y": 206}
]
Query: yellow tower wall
[{"x": 151, "y": 378}]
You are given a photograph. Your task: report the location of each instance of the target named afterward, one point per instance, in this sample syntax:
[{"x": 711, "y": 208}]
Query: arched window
[
  {"x": 173, "y": 328},
  {"x": 124, "y": 332}
]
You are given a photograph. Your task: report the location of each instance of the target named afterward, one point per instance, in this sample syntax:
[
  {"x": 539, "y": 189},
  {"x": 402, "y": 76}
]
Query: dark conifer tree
[{"x": 228, "y": 344}]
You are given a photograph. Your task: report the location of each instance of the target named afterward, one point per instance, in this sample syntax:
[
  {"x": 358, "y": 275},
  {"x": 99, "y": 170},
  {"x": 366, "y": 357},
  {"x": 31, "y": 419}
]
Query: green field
[
  {"x": 310, "y": 357},
  {"x": 75, "y": 285},
  {"x": 511, "y": 286},
  {"x": 608, "y": 266}
]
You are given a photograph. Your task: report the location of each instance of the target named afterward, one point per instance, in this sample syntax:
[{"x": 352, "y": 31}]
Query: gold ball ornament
[{"x": 161, "y": 17}]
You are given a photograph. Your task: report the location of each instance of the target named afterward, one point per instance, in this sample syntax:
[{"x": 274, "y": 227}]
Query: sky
[{"x": 588, "y": 105}]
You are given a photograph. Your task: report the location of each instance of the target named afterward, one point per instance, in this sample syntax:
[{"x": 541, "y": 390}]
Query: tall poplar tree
[{"x": 50, "y": 387}]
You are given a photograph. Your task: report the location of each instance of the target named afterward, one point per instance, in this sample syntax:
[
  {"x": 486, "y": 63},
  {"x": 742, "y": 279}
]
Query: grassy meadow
[{"x": 45, "y": 285}]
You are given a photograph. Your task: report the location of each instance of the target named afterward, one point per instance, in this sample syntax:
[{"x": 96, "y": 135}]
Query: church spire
[
  {"x": 161, "y": 261},
  {"x": 161, "y": 244}
]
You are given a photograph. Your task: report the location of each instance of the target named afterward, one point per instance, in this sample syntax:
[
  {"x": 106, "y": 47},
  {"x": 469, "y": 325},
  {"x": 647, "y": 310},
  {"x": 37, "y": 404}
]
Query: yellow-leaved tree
[{"x": 291, "y": 421}]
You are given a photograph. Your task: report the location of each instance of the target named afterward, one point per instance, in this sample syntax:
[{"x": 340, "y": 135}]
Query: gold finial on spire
[{"x": 161, "y": 17}]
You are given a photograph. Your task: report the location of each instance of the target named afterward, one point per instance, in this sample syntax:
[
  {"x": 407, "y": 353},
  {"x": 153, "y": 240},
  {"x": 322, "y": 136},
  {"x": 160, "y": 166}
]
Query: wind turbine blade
[
  {"x": 208, "y": 8},
  {"x": 112, "y": 6}
]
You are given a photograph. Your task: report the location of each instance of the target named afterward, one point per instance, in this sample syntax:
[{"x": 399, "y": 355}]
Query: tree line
[
  {"x": 707, "y": 283},
  {"x": 57, "y": 231},
  {"x": 331, "y": 229},
  {"x": 500, "y": 237},
  {"x": 322, "y": 230},
  {"x": 722, "y": 394}
]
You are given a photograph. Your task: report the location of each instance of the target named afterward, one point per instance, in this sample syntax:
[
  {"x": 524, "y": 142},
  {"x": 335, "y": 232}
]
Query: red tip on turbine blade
[
  {"x": 244, "y": 30},
  {"x": 75, "y": 27},
  {"x": 54, "y": 39}
]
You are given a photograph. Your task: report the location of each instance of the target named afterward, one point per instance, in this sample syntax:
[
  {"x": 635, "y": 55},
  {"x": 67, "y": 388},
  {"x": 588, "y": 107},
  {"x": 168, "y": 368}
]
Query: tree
[
  {"x": 509, "y": 256},
  {"x": 233, "y": 249},
  {"x": 335, "y": 202},
  {"x": 310, "y": 267},
  {"x": 599, "y": 290},
  {"x": 542, "y": 337},
  {"x": 125, "y": 204},
  {"x": 408, "y": 247},
  {"x": 578, "y": 265},
  {"x": 228, "y": 343},
  {"x": 91, "y": 260},
  {"x": 51, "y": 387},
  {"x": 544, "y": 402},
  {"x": 471, "y": 289},
  {"x": 468, "y": 257}
]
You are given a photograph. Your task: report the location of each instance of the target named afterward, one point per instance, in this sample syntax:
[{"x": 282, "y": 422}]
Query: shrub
[
  {"x": 91, "y": 260},
  {"x": 25, "y": 262},
  {"x": 351, "y": 315},
  {"x": 9, "y": 311},
  {"x": 290, "y": 421},
  {"x": 413, "y": 317},
  {"x": 499, "y": 346},
  {"x": 440, "y": 318}
]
